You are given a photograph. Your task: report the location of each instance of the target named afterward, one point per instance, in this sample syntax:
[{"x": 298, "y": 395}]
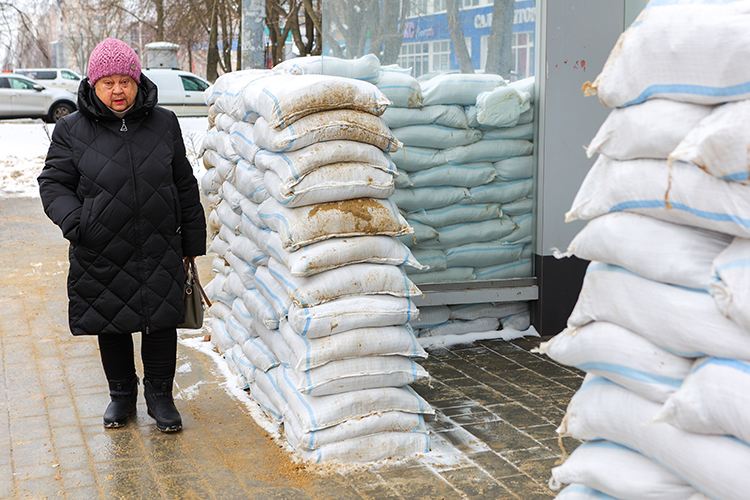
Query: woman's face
[{"x": 116, "y": 91}]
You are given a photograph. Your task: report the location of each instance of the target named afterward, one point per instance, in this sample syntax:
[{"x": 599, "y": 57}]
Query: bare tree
[
  {"x": 500, "y": 44},
  {"x": 457, "y": 38}
]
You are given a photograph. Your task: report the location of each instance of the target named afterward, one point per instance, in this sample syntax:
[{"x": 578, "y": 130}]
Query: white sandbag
[
  {"x": 346, "y": 281},
  {"x": 654, "y": 249},
  {"x": 259, "y": 308},
  {"x": 458, "y": 235},
  {"x": 414, "y": 159},
  {"x": 648, "y": 130},
  {"x": 356, "y": 374},
  {"x": 210, "y": 182},
  {"x": 401, "y": 89},
  {"x": 227, "y": 234},
  {"x": 422, "y": 233},
  {"x": 427, "y": 198},
  {"x": 241, "y": 137},
  {"x": 227, "y": 216},
  {"x": 448, "y": 116},
  {"x": 714, "y": 465},
  {"x": 219, "y": 265},
  {"x": 519, "y": 321},
  {"x": 371, "y": 448},
  {"x": 522, "y": 234},
  {"x": 246, "y": 368},
  {"x": 226, "y": 92},
  {"x": 461, "y": 327},
  {"x": 470, "y": 312},
  {"x": 525, "y": 131},
  {"x": 484, "y": 254},
  {"x": 520, "y": 206},
  {"x": 455, "y": 214},
  {"x": 235, "y": 330},
  {"x": 583, "y": 492},
  {"x": 219, "y": 335},
  {"x": 338, "y": 252},
  {"x": 251, "y": 225},
  {"x": 242, "y": 315},
  {"x": 390, "y": 421},
  {"x": 519, "y": 269},
  {"x": 720, "y": 143},
  {"x": 730, "y": 273},
  {"x": 681, "y": 320},
  {"x": 525, "y": 85},
  {"x": 349, "y": 313},
  {"x": 270, "y": 398},
  {"x": 245, "y": 272},
  {"x": 272, "y": 291},
  {"x": 220, "y": 310},
  {"x": 518, "y": 167},
  {"x": 232, "y": 196},
  {"x": 432, "y": 260},
  {"x": 527, "y": 116},
  {"x": 449, "y": 275},
  {"x": 430, "y": 316},
  {"x": 459, "y": 88},
  {"x": 215, "y": 290},
  {"x": 657, "y": 56},
  {"x": 469, "y": 175},
  {"x": 402, "y": 181},
  {"x": 621, "y": 472},
  {"x": 436, "y": 136},
  {"x": 502, "y": 106},
  {"x": 276, "y": 343},
  {"x": 302, "y": 226},
  {"x": 339, "y": 124},
  {"x": 234, "y": 359},
  {"x": 292, "y": 166},
  {"x": 218, "y": 246},
  {"x": 713, "y": 399},
  {"x": 488, "y": 150},
  {"x": 249, "y": 182},
  {"x": 329, "y": 183},
  {"x": 361, "y": 342},
  {"x": 501, "y": 191},
  {"x": 259, "y": 354},
  {"x": 621, "y": 356},
  {"x": 225, "y": 148},
  {"x": 282, "y": 99},
  {"x": 319, "y": 412},
  {"x": 264, "y": 401},
  {"x": 246, "y": 249},
  {"x": 223, "y": 166},
  {"x": 365, "y": 68},
  {"x": 682, "y": 194}
]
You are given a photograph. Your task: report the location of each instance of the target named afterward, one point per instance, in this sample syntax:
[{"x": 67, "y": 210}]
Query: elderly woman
[{"x": 118, "y": 184}]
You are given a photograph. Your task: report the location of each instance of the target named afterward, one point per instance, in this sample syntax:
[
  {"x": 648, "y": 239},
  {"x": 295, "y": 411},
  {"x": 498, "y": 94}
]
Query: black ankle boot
[
  {"x": 161, "y": 405},
  {"x": 124, "y": 394}
]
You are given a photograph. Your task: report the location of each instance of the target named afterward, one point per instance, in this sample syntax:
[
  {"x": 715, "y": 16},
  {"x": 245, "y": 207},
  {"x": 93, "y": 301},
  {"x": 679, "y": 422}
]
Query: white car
[
  {"x": 22, "y": 97},
  {"x": 180, "y": 91},
  {"x": 62, "y": 78}
]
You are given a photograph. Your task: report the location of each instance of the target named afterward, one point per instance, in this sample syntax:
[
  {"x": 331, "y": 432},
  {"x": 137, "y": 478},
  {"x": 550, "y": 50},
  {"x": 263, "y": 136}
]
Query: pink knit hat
[{"x": 113, "y": 57}]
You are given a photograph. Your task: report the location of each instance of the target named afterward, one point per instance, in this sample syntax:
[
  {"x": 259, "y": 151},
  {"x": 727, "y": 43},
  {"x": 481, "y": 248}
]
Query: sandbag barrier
[{"x": 661, "y": 325}]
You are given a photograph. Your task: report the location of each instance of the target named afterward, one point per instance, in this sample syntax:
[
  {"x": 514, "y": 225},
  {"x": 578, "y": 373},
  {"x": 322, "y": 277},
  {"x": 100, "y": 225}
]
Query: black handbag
[{"x": 193, "y": 297}]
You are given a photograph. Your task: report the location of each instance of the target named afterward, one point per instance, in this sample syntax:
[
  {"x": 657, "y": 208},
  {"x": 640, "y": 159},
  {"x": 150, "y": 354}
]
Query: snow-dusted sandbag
[
  {"x": 519, "y": 167},
  {"x": 371, "y": 448},
  {"x": 455, "y": 214},
  {"x": 259, "y": 308},
  {"x": 450, "y": 274},
  {"x": 436, "y": 136},
  {"x": 502, "y": 106},
  {"x": 319, "y": 412},
  {"x": 272, "y": 291},
  {"x": 654, "y": 249},
  {"x": 713, "y": 399},
  {"x": 621, "y": 356},
  {"x": 430, "y": 316},
  {"x": 460, "y": 327},
  {"x": 720, "y": 143},
  {"x": 525, "y": 131},
  {"x": 259, "y": 354},
  {"x": 428, "y": 198},
  {"x": 356, "y": 374},
  {"x": 657, "y": 56},
  {"x": 715, "y": 465},
  {"x": 729, "y": 284},
  {"x": 401, "y": 89},
  {"x": 458, "y": 88},
  {"x": 518, "y": 269},
  {"x": 365, "y": 68},
  {"x": 448, "y": 116},
  {"x": 682, "y": 193},
  {"x": 390, "y": 421},
  {"x": 329, "y": 183},
  {"x": 501, "y": 191},
  {"x": 621, "y": 472},
  {"x": 349, "y": 313},
  {"x": 346, "y": 281},
  {"x": 241, "y": 137},
  {"x": 414, "y": 159},
  {"x": 648, "y": 130},
  {"x": 380, "y": 341},
  {"x": 282, "y": 99},
  {"x": 681, "y": 320},
  {"x": 339, "y": 124},
  {"x": 484, "y": 254},
  {"x": 469, "y": 175},
  {"x": 302, "y": 226},
  {"x": 488, "y": 150},
  {"x": 337, "y": 252}
]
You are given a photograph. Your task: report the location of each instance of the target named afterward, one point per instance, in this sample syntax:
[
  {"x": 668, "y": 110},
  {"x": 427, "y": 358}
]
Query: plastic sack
[
  {"x": 428, "y": 198},
  {"x": 450, "y": 274},
  {"x": 447, "y": 116},
  {"x": 371, "y": 448},
  {"x": 483, "y": 254},
  {"x": 430, "y": 316},
  {"x": 502, "y": 107},
  {"x": 518, "y": 269},
  {"x": 460, "y": 327},
  {"x": 259, "y": 308},
  {"x": 365, "y": 68},
  {"x": 259, "y": 354},
  {"x": 468, "y": 176},
  {"x": 414, "y": 159},
  {"x": 241, "y": 137},
  {"x": 436, "y": 136},
  {"x": 458, "y": 88},
  {"x": 519, "y": 167},
  {"x": 432, "y": 260},
  {"x": 488, "y": 150},
  {"x": 455, "y": 214},
  {"x": 501, "y": 191},
  {"x": 401, "y": 89},
  {"x": 272, "y": 291},
  {"x": 730, "y": 273},
  {"x": 486, "y": 310}
]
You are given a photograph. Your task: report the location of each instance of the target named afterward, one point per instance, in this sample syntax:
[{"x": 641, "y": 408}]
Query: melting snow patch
[{"x": 468, "y": 338}]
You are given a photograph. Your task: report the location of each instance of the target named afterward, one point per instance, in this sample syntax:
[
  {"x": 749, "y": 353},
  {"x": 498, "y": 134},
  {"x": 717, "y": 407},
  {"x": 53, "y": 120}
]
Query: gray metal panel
[
  {"x": 574, "y": 39},
  {"x": 632, "y": 9},
  {"x": 511, "y": 290}
]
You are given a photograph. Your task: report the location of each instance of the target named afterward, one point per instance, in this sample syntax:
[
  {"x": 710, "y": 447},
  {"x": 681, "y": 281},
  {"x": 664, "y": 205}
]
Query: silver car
[{"x": 22, "y": 97}]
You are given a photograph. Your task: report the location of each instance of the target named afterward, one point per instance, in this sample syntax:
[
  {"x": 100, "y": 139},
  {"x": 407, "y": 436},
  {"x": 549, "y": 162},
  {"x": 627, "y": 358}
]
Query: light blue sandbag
[
  {"x": 435, "y": 259},
  {"x": 488, "y": 150},
  {"x": 422, "y": 233},
  {"x": 521, "y": 206},
  {"x": 518, "y": 167},
  {"x": 517, "y": 269},
  {"x": 427, "y": 198},
  {"x": 436, "y": 136},
  {"x": 446, "y": 115},
  {"x": 401, "y": 89},
  {"x": 456, "y": 214},
  {"x": 468, "y": 175},
  {"x": 414, "y": 159},
  {"x": 489, "y": 253},
  {"x": 501, "y": 192},
  {"x": 473, "y": 232},
  {"x": 450, "y": 274}
]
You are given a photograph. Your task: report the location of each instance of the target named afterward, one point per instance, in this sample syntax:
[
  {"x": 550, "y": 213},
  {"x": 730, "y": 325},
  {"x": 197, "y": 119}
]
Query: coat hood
[{"x": 91, "y": 106}]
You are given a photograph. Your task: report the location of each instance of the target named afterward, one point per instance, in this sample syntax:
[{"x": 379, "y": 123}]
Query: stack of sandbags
[
  {"x": 310, "y": 289},
  {"x": 661, "y": 325}
]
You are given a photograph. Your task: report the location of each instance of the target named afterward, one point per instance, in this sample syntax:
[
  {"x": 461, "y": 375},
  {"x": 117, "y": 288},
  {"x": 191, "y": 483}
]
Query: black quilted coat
[{"x": 124, "y": 195}]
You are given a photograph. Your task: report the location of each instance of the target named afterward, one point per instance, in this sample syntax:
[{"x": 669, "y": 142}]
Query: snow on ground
[{"x": 24, "y": 145}]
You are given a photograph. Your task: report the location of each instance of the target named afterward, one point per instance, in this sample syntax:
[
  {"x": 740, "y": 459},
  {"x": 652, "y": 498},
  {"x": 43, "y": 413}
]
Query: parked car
[
  {"x": 22, "y": 97},
  {"x": 53, "y": 77},
  {"x": 180, "y": 91}
]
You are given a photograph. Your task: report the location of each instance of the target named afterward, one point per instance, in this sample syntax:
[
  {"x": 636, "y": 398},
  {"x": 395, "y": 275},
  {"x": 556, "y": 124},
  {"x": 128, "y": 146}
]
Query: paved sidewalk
[{"x": 497, "y": 403}]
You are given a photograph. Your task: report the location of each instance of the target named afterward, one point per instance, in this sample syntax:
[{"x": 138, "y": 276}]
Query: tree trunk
[
  {"x": 457, "y": 37},
  {"x": 159, "y": 4},
  {"x": 393, "y": 28},
  {"x": 212, "y": 58},
  {"x": 500, "y": 43}
]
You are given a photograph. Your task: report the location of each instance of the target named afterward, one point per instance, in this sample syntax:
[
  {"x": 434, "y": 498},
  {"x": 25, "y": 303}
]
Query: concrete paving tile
[
  {"x": 523, "y": 486},
  {"x": 135, "y": 483},
  {"x": 123, "y": 464},
  {"x": 445, "y": 372},
  {"x": 441, "y": 353},
  {"x": 59, "y": 401},
  {"x": 535, "y": 383},
  {"x": 28, "y": 428},
  {"x": 461, "y": 400},
  {"x": 540, "y": 432},
  {"x": 29, "y": 472},
  {"x": 501, "y": 436},
  {"x": 175, "y": 467},
  {"x": 499, "y": 346},
  {"x": 48, "y": 488},
  {"x": 329, "y": 487},
  {"x": 495, "y": 465},
  {"x": 72, "y": 457},
  {"x": 417, "y": 483},
  {"x": 6, "y": 481},
  {"x": 475, "y": 483},
  {"x": 90, "y": 493},
  {"x": 67, "y": 436},
  {"x": 279, "y": 493},
  {"x": 378, "y": 492},
  {"x": 569, "y": 443},
  {"x": 78, "y": 478},
  {"x": 30, "y": 406},
  {"x": 439, "y": 422},
  {"x": 33, "y": 452},
  {"x": 470, "y": 415},
  {"x": 114, "y": 444},
  {"x": 520, "y": 457},
  {"x": 573, "y": 383},
  {"x": 517, "y": 415},
  {"x": 539, "y": 470},
  {"x": 483, "y": 394},
  {"x": 462, "y": 439},
  {"x": 183, "y": 487}
]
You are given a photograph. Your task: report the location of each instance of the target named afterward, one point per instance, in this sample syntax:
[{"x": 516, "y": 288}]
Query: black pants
[{"x": 158, "y": 352}]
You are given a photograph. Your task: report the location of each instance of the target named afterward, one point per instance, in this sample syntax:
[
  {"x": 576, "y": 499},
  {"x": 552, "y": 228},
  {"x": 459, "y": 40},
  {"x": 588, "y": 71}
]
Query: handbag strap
[{"x": 190, "y": 268}]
